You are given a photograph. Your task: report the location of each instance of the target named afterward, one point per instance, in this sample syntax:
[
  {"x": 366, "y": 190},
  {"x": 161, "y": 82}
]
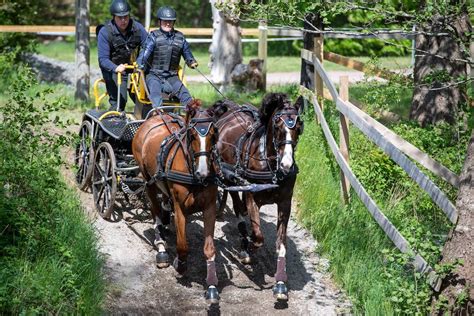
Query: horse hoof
[
  {"x": 162, "y": 260},
  {"x": 245, "y": 257},
  {"x": 280, "y": 291},
  {"x": 180, "y": 266},
  {"x": 212, "y": 295}
]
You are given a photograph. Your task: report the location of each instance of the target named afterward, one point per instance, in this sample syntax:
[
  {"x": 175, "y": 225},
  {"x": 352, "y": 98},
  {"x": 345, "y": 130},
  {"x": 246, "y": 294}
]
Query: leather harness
[
  {"x": 240, "y": 173},
  {"x": 167, "y": 154}
]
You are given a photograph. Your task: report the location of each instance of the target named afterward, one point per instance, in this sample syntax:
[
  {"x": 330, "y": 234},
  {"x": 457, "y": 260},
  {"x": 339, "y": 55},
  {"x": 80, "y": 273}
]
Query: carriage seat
[
  {"x": 115, "y": 124},
  {"x": 140, "y": 88}
]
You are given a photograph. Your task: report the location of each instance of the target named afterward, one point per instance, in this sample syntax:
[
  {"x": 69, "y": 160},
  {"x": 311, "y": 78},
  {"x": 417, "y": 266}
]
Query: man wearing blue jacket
[
  {"x": 117, "y": 43},
  {"x": 160, "y": 59}
]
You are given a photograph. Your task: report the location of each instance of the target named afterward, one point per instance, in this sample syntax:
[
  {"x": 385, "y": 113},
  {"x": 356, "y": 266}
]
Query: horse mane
[
  {"x": 223, "y": 106},
  {"x": 270, "y": 103}
]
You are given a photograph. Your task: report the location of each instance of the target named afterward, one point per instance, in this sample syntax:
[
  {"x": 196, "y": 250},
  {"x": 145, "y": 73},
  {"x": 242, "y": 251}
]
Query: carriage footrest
[{"x": 126, "y": 189}]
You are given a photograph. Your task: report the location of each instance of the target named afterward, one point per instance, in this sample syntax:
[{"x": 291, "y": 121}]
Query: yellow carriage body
[{"x": 137, "y": 86}]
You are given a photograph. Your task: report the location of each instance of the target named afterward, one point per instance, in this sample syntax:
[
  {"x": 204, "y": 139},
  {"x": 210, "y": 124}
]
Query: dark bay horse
[
  {"x": 174, "y": 157},
  {"x": 258, "y": 147}
]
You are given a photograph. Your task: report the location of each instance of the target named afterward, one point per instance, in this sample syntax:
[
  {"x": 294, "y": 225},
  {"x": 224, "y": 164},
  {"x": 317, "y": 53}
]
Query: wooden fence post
[
  {"x": 82, "y": 51},
  {"x": 262, "y": 49},
  {"x": 344, "y": 137},
  {"x": 318, "y": 51}
]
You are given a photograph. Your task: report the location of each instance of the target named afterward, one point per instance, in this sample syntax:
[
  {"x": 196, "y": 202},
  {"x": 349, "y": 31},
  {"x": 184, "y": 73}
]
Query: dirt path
[{"x": 137, "y": 286}]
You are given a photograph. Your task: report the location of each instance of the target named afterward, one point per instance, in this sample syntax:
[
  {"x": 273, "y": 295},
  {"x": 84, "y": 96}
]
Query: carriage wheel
[
  {"x": 84, "y": 156},
  {"x": 104, "y": 180},
  {"x": 221, "y": 202}
]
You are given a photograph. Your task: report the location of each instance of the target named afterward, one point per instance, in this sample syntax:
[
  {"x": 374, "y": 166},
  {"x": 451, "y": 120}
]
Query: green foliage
[
  {"x": 18, "y": 12},
  {"x": 347, "y": 235},
  {"x": 192, "y": 13},
  {"x": 379, "y": 279},
  {"x": 408, "y": 291},
  {"x": 48, "y": 252},
  {"x": 367, "y": 47}
]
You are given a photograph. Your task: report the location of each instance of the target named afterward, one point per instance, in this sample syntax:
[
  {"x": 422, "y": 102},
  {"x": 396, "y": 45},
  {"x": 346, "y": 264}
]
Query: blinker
[
  {"x": 289, "y": 121},
  {"x": 203, "y": 130}
]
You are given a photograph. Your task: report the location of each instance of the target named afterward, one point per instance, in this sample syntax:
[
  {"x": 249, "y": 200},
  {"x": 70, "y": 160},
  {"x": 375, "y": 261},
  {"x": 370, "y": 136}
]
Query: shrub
[{"x": 48, "y": 253}]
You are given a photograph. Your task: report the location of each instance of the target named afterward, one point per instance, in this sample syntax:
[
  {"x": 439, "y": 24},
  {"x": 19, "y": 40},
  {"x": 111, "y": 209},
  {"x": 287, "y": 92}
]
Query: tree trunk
[
  {"x": 458, "y": 287},
  {"x": 435, "y": 97},
  {"x": 82, "y": 50},
  {"x": 226, "y": 47}
]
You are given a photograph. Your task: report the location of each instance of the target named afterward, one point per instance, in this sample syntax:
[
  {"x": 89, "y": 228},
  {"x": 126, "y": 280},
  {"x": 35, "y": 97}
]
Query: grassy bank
[
  {"x": 49, "y": 256},
  {"x": 378, "y": 278}
]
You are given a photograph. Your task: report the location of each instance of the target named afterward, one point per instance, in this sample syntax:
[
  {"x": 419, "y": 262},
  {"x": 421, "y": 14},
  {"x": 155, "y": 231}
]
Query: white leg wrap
[{"x": 282, "y": 251}]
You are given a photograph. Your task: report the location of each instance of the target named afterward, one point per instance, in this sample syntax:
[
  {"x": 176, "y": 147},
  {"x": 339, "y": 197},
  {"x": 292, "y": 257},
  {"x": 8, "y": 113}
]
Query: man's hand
[
  {"x": 194, "y": 65},
  {"x": 120, "y": 68}
]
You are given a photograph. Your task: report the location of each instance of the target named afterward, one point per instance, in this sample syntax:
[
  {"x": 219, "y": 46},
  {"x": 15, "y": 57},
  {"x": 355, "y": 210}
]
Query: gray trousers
[{"x": 171, "y": 85}]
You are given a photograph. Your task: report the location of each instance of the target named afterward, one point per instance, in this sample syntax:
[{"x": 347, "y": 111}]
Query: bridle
[
  {"x": 290, "y": 118},
  {"x": 202, "y": 129}
]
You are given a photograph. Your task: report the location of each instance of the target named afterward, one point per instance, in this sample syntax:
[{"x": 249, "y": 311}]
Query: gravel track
[{"x": 138, "y": 287}]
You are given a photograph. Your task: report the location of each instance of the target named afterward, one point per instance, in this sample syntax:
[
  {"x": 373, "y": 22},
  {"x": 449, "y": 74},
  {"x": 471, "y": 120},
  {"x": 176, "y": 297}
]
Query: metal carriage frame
[{"x": 103, "y": 156}]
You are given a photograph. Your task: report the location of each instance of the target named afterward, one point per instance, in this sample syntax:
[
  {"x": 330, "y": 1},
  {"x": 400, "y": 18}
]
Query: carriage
[
  {"x": 105, "y": 163},
  {"x": 103, "y": 158}
]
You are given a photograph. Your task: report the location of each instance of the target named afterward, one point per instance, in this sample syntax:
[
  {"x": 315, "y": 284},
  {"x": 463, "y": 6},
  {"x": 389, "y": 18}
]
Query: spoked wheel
[
  {"x": 221, "y": 202},
  {"x": 104, "y": 180},
  {"x": 84, "y": 156}
]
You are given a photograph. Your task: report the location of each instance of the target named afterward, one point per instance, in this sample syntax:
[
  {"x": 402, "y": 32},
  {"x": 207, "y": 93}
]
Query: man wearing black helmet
[
  {"x": 161, "y": 56},
  {"x": 117, "y": 44}
]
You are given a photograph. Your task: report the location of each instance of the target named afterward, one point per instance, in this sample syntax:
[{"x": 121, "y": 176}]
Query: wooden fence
[
  {"x": 71, "y": 29},
  {"x": 394, "y": 146}
]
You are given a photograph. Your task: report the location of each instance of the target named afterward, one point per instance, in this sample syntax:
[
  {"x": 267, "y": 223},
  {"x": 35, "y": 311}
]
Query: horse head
[
  {"x": 202, "y": 136},
  {"x": 284, "y": 126}
]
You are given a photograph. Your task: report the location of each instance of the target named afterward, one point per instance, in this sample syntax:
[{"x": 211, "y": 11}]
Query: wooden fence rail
[
  {"x": 71, "y": 29},
  {"x": 393, "y": 146},
  {"x": 390, "y": 230},
  {"x": 360, "y": 66}
]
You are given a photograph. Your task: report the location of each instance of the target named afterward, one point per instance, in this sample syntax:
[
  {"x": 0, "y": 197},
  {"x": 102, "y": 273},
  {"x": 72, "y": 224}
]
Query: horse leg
[
  {"x": 240, "y": 212},
  {"x": 280, "y": 290},
  {"x": 179, "y": 262},
  {"x": 209, "y": 218},
  {"x": 162, "y": 257},
  {"x": 253, "y": 209}
]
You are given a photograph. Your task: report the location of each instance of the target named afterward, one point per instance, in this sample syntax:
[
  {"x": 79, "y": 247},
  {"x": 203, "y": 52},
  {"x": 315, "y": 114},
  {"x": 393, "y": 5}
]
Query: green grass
[
  {"x": 377, "y": 277},
  {"x": 347, "y": 235},
  {"x": 49, "y": 258},
  {"x": 65, "y": 51}
]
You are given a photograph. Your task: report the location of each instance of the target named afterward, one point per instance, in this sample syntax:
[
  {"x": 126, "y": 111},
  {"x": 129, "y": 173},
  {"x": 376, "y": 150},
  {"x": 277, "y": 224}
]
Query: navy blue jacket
[
  {"x": 104, "y": 44},
  {"x": 147, "y": 51}
]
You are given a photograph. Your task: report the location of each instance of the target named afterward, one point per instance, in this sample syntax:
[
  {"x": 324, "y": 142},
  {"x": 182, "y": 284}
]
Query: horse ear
[
  {"x": 219, "y": 108},
  {"x": 270, "y": 102},
  {"x": 299, "y": 104},
  {"x": 210, "y": 111}
]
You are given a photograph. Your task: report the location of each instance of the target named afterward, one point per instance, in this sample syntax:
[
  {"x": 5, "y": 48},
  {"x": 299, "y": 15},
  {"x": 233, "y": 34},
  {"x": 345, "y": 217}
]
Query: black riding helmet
[
  {"x": 166, "y": 14},
  {"x": 120, "y": 8}
]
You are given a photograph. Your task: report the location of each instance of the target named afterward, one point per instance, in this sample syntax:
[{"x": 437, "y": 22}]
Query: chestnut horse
[
  {"x": 174, "y": 157},
  {"x": 258, "y": 148}
]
